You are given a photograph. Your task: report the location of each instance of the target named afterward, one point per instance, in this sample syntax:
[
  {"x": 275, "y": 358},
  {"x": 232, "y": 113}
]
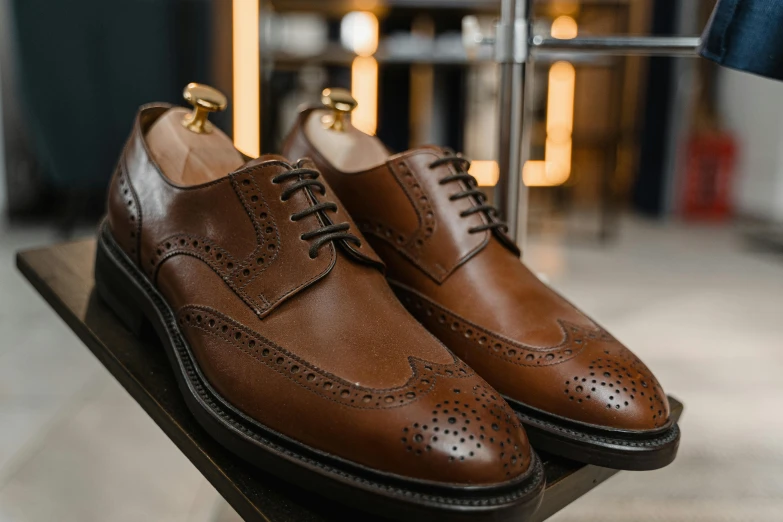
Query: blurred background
[{"x": 655, "y": 204}]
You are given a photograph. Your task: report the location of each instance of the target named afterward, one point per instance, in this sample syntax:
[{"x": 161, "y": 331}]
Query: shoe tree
[
  {"x": 332, "y": 134},
  {"x": 188, "y": 149}
]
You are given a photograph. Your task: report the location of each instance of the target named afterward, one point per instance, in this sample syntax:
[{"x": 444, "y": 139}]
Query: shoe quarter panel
[
  {"x": 237, "y": 225},
  {"x": 442, "y": 242}
]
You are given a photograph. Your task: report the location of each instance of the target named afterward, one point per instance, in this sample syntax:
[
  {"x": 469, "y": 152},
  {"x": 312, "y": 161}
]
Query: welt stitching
[{"x": 666, "y": 437}]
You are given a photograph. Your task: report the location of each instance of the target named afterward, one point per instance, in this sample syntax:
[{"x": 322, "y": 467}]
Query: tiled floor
[{"x": 704, "y": 313}]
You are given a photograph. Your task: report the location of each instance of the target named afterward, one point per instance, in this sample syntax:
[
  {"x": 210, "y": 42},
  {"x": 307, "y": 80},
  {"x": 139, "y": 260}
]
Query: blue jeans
[{"x": 746, "y": 35}]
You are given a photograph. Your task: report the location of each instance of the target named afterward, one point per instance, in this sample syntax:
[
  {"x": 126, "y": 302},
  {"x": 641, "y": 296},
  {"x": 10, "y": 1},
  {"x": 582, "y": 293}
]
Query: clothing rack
[{"x": 515, "y": 49}]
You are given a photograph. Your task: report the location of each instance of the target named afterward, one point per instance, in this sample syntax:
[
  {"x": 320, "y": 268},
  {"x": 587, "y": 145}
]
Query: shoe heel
[{"x": 111, "y": 284}]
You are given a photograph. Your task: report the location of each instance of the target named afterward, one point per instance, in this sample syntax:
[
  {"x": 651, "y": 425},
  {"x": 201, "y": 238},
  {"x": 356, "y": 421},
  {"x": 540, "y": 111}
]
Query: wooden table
[{"x": 63, "y": 274}]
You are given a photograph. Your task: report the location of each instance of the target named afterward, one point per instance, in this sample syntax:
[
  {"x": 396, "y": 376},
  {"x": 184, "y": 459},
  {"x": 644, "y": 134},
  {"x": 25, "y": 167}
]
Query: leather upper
[
  {"x": 469, "y": 288},
  {"x": 318, "y": 349}
]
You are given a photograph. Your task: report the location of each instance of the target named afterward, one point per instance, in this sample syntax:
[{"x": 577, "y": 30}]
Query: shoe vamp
[{"x": 348, "y": 324}]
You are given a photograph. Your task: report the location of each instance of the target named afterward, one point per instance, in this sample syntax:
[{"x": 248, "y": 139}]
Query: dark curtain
[{"x": 85, "y": 66}]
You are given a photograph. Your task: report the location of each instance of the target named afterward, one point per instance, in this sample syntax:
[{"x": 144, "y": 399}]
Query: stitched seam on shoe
[
  {"x": 280, "y": 296},
  {"x": 535, "y": 469},
  {"x": 259, "y": 234},
  {"x": 132, "y": 189},
  {"x": 409, "y": 386},
  {"x": 527, "y": 348}
]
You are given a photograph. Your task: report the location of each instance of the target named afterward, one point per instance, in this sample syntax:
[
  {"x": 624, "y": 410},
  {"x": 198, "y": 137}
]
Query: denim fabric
[{"x": 746, "y": 35}]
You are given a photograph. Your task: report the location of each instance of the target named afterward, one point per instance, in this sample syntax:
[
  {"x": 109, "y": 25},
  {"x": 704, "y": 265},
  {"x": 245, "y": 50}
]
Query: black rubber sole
[
  {"x": 637, "y": 451},
  {"x": 131, "y": 296}
]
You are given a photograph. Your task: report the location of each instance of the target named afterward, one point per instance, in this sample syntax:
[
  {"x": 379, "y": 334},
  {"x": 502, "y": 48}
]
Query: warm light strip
[
  {"x": 534, "y": 173},
  {"x": 556, "y": 167},
  {"x": 486, "y": 172},
  {"x": 364, "y": 88},
  {"x": 246, "y": 100},
  {"x": 560, "y": 101},
  {"x": 557, "y": 156},
  {"x": 564, "y": 28},
  {"x": 359, "y": 32}
]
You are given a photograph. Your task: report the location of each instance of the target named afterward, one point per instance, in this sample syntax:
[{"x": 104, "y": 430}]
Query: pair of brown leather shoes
[{"x": 293, "y": 351}]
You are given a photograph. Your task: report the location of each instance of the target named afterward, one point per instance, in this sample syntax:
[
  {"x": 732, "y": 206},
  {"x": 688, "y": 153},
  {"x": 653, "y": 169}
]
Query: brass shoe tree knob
[
  {"x": 341, "y": 103},
  {"x": 204, "y": 99}
]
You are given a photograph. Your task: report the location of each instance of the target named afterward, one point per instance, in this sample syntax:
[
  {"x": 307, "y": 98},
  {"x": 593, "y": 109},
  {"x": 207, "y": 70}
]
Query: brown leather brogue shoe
[
  {"x": 289, "y": 346},
  {"x": 580, "y": 393}
]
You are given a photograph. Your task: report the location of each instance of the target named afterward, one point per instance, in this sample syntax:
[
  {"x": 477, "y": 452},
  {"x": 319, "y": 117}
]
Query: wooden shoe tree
[
  {"x": 188, "y": 149},
  {"x": 342, "y": 144}
]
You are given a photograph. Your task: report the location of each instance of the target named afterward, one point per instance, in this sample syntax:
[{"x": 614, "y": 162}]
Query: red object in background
[{"x": 709, "y": 173}]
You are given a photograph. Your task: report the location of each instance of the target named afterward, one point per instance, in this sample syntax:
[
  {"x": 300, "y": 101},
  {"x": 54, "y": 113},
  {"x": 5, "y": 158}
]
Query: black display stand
[{"x": 63, "y": 274}]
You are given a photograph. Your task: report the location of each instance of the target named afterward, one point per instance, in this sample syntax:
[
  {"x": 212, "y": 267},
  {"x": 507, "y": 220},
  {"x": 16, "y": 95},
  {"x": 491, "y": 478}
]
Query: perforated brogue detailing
[
  {"x": 322, "y": 383},
  {"x": 409, "y": 245},
  {"x": 616, "y": 379},
  {"x": 443, "y": 323},
  {"x": 423, "y": 208},
  {"x": 619, "y": 381},
  {"x": 242, "y": 271},
  {"x": 476, "y": 424},
  {"x": 267, "y": 235},
  {"x": 237, "y": 273},
  {"x": 381, "y": 231},
  {"x": 131, "y": 204},
  {"x": 220, "y": 260}
]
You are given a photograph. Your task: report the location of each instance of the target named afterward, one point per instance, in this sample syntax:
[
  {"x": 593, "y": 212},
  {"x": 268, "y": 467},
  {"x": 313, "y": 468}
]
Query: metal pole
[
  {"x": 511, "y": 52},
  {"x": 524, "y": 154},
  {"x": 620, "y": 45},
  {"x": 514, "y": 53}
]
